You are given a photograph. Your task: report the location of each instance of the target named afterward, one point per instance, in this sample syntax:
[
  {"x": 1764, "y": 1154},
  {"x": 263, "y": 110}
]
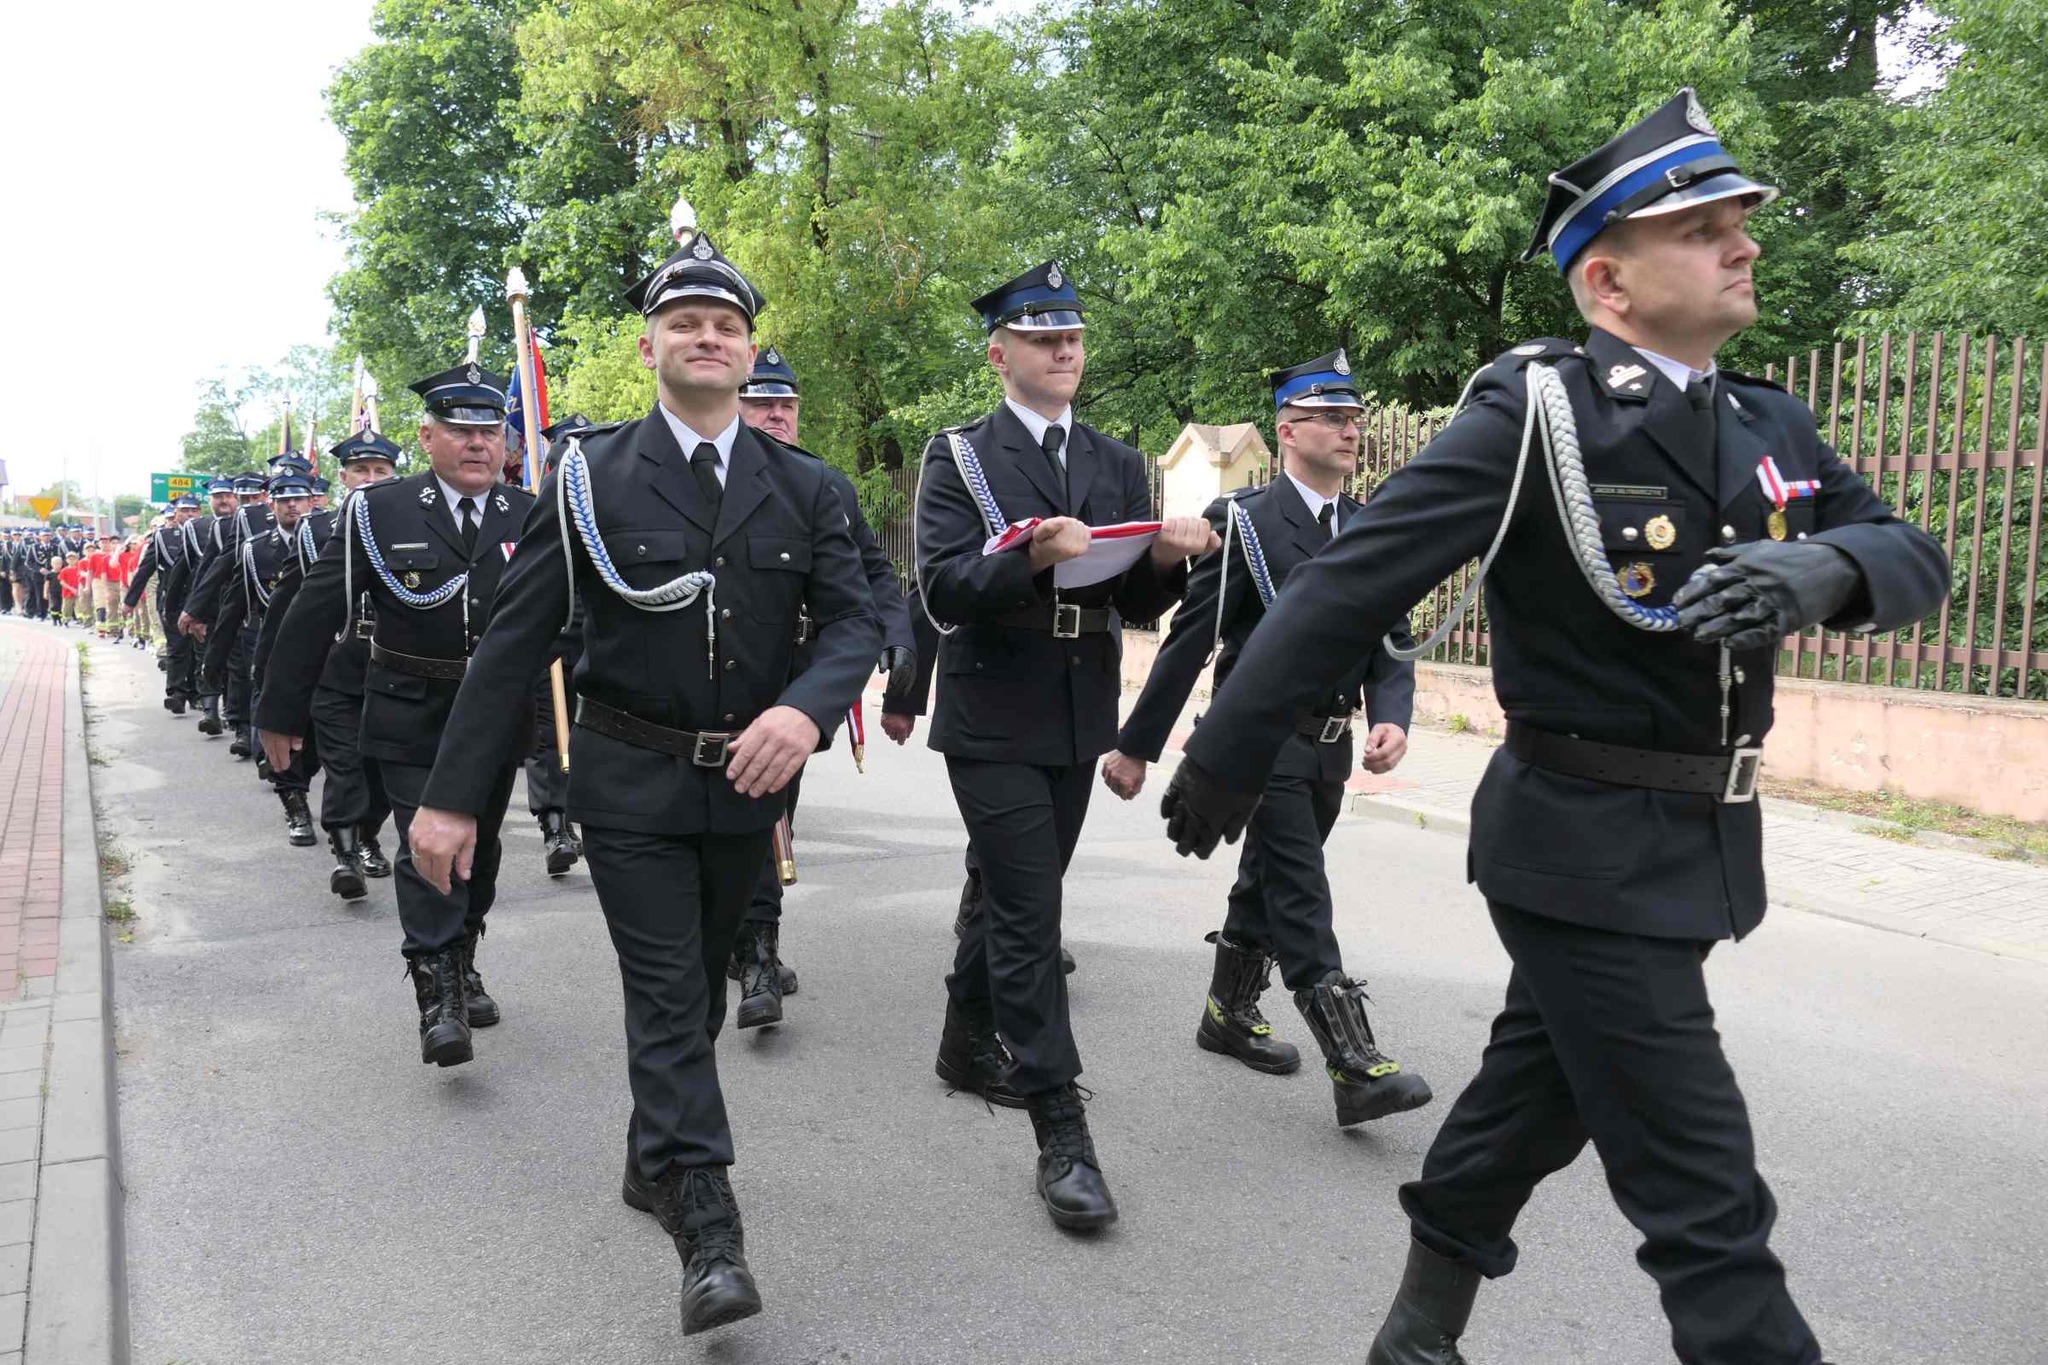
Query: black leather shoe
[
  {"x": 346, "y": 880},
  {"x": 1231, "y": 1021},
  {"x": 972, "y": 1056},
  {"x": 483, "y": 1011},
  {"x": 298, "y": 820},
  {"x": 562, "y": 848},
  {"x": 1069, "y": 1176},
  {"x": 209, "y": 717},
  {"x": 375, "y": 864},
  {"x": 718, "y": 1288},
  {"x": 1429, "y": 1313},
  {"x": 760, "y": 982},
  {"x": 1368, "y": 1083},
  {"x": 444, "y": 1022}
]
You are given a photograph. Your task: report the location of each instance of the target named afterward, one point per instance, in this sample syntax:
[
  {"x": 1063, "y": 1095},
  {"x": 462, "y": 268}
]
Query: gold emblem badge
[
  {"x": 1636, "y": 579},
  {"x": 411, "y": 579},
  {"x": 1659, "y": 533},
  {"x": 1776, "y": 524}
]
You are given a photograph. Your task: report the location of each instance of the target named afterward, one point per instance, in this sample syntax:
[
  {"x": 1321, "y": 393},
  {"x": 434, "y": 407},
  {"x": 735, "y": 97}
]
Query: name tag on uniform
[
  {"x": 411, "y": 545},
  {"x": 1631, "y": 490}
]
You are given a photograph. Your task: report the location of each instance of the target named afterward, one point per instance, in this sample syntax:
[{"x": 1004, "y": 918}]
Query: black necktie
[
  {"x": 466, "y": 510},
  {"x": 1325, "y": 517},
  {"x": 1055, "y": 436},
  {"x": 1695, "y": 437},
  {"x": 704, "y": 464},
  {"x": 1700, "y": 394}
]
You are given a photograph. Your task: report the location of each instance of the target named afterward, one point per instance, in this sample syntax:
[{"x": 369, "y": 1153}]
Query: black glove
[
  {"x": 1755, "y": 595},
  {"x": 900, "y": 663},
  {"x": 1199, "y": 811}
]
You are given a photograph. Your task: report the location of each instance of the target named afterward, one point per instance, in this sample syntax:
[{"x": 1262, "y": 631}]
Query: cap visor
[
  {"x": 1732, "y": 186},
  {"x": 1326, "y": 400},
  {"x": 470, "y": 417},
  {"x": 1059, "y": 320},
  {"x": 773, "y": 388}
]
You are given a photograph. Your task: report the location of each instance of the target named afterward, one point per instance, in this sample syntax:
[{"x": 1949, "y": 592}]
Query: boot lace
[
  {"x": 711, "y": 1216},
  {"x": 1065, "y": 1117}
]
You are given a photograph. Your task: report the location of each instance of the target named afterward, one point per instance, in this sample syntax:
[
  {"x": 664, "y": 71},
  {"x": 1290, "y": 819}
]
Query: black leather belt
[
  {"x": 1729, "y": 777},
  {"x": 706, "y": 749},
  {"x": 1325, "y": 729},
  {"x": 1065, "y": 620},
  {"x": 439, "y": 670}
]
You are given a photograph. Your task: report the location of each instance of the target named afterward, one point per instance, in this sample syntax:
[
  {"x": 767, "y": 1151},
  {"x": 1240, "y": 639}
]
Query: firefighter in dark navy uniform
[
  {"x": 771, "y": 402},
  {"x": 1280, "y": 910},
  {"x": 162, "y": 557},
  {"x": 1028, "y": 702},
  {"x": 1674, "y": 523},
  {"x": 225, "y": 655},
  {"x": 428, "y": 549},
  {"x": 693, "y": 544}
]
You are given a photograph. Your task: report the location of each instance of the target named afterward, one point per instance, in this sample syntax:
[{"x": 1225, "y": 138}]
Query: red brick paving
[{"x": 31, "y": 806}]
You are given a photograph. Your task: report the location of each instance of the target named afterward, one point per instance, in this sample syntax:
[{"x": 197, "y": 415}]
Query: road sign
[
  {"x": 43, "y": 506},
  {"x": 164, "y": 487}
]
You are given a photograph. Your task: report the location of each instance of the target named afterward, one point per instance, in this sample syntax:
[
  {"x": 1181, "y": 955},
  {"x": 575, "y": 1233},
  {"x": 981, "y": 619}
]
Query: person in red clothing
[
  {"x": 103, "y": 567},
  {"x": 141, "y": 629},
  {"x": 71, "y": 581}
]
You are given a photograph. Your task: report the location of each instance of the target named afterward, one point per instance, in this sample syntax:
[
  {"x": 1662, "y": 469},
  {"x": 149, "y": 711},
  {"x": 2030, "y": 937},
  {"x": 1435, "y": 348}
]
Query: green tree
[{"x": 217, "y": 443}]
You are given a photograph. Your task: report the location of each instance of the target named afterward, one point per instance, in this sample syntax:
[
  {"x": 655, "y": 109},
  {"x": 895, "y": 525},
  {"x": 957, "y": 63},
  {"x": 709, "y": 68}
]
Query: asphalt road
[{"x": 301, "y": 1189}]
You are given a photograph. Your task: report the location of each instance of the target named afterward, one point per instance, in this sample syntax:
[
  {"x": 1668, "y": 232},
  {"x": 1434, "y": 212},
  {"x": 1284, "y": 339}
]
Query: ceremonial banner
[{"x": 1111, "y": 550}]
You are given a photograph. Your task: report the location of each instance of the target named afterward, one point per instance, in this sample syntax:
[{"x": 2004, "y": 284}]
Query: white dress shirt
[
  {"x": 690, "y": 440},
  {"x": 1678, "y": 372},
  {"x": 1037, "y": 424},
  {"x": 455, "y": 497},
  {"x": 1315, "y": 501}
]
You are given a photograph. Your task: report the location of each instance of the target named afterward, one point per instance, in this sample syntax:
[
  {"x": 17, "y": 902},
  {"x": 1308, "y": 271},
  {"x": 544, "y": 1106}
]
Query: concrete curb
[
  {"x": 1387, "y": 807},
  {"x": 77, "y": 1292}
]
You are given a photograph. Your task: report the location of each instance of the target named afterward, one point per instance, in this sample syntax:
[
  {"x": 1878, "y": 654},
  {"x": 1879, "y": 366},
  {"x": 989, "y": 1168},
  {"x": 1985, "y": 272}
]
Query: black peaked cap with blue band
[
  {"x": 1040, "y": 300},
  {"x": 184, "y": 500},
  {"x": 697, "y": 271},
  {"x": 249, "y": 483},
  {"x": 291, "y": 462},
  {"x": 291, "y": 485},
  {"x": 365, "y": 445},
  {"x": 220, "y": 483},
  {"x": 466, "y": 396},
  {"x": 1670, "y": 161},
  {"x": 575, "y": 421},
  {"x": 772, "y": 377},
  {"x": 1324, "y": 382}
]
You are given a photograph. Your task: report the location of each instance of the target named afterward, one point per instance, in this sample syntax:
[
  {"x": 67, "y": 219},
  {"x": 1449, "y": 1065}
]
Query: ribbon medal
[{"x": 1775, "y": 489}]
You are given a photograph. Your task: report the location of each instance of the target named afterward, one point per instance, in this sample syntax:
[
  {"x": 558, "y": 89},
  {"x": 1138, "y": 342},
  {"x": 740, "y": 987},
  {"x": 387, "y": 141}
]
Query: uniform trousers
[
  {"x": 181, "y": 665},
  {"x": 1023, "y": 821},
  {"x": 1281, "y": 899},
  {"x": 32, "y": 597},
  {"x": 6, "y": 594},
  {"x": 547, "y": 786},
  {"x": 673, "y": 904},
  {"x": 241, "y": 653},
  {"x": 766, "y": 907},
  {"x": 433, "y": 921},
  {"x": 353, "y": 794},
  {"x": 1610, "y": 1037}
]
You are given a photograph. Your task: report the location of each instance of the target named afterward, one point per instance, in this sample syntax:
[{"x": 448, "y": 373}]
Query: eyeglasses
[{"x": 1335, "y": 421}]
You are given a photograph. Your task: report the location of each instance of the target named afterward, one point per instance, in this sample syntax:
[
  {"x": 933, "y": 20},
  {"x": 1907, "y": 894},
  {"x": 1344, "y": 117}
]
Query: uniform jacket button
[
  {"x": 639, "y": 549},
  {"x": 731, "y": 664},
  {"x": 718, "y": 563},
  {"x": 1728, "y": 533},
  {"x": 731, "y": 717},
  {"x": 1629, "y": 533},
  {"x": 725, "y": 613},
  {"x": 784, "y": 556}
]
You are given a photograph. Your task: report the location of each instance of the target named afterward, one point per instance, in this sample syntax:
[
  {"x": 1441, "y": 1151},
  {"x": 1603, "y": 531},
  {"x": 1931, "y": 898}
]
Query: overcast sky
[{"x": 166, "y": 168}]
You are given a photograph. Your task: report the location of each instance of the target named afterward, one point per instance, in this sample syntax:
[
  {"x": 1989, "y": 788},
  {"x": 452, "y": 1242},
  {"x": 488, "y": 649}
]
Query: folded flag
[{"x": 1111, "y": 550}]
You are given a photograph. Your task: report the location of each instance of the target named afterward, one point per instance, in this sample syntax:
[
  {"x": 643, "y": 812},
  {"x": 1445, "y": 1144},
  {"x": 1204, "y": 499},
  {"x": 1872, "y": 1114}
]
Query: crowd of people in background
[{"x": 67, "y": 575}]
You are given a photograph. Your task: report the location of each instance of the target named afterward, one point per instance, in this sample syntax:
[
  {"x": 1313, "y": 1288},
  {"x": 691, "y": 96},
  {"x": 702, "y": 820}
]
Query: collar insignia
[
  {"x": 427, "y": 496},
  {"x": 503, "y": 506},
  {"x": 1622, "y": 374}
]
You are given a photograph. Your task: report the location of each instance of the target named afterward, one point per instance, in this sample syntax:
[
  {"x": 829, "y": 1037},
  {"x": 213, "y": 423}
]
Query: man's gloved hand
[
  {"x": 900, "y": 663},
  {"x": 1755, "y": 595},
  {"x": 1199, "y": 811}
]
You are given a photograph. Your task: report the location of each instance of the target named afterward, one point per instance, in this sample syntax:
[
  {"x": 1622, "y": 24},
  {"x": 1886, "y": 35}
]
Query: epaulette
[
  {"x": 794, "y": 449},
  {"x": 1752, "y": 379},
  {"x": 1544, "y": 348},
  {"x": 1249, "y": 490}
]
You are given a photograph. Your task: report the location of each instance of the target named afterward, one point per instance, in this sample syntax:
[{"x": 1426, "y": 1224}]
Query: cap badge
[
  {"x": 474, "y": 375},
  {"x": 1622, "y": 374},
  {"x": 1697, "y": 116},
  {"x": 770, "y": 357},
  {"x": 702, "y": 251},
  {"x": 1053, "y": 276},
  {"x": 1342, "y": 365}
]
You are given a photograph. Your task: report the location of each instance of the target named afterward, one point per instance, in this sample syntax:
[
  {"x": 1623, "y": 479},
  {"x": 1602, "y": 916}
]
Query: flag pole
[{"x": 529, "y": 417}]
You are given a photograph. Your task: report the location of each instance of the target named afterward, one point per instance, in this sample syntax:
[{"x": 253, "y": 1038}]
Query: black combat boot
[
  {"x": 209, "y": 715},
  {"x": 176, "y": 705},
  {"x": 483, "y": 1011},
  {"x": 972, "y": 1056},
  {"x": 1069, "y": 1176},
  {"x": 1429, "y": 1312},
  {"x": 298, "y": 819},
  {"x": 1369, "y": 1084},
  {"x": 375, "y": 864},
  {"x": 970, "y": 906},
  {"x": 718, "y": 1289},
  {"x": 444, "y": 1021},
  {"x": 638, "y": 1192},
  {"x": 1231, "y": 1022},
  {"x": 346, "y": 881},
  {"x": 562, "y": 848},
  {"x": 239, "y": 746},
  {"x": 760, "y": 983}
]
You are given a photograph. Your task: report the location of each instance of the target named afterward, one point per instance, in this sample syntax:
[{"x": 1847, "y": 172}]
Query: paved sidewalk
[
  {"x": 59, "y": 1244},
  {"x": 1814, "y": 860}
]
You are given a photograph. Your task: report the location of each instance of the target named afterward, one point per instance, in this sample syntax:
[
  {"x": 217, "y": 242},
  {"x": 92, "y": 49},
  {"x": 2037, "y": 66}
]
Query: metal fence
[{"x": 1946, "y": 427}]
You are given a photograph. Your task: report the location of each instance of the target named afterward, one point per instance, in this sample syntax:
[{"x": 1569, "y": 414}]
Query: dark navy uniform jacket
[
  {"x": 1289, "y": 537},
  {"x": 1665, "y": 864},
  {"x": 778, "y": 546},
  {"x": 217, "y": 574},
  {"x": 884, "y": 588},
  {"x": 1013, "y": 694},
  {"x": 161, "y": 554},
  {"x": 417, "y": 536}
]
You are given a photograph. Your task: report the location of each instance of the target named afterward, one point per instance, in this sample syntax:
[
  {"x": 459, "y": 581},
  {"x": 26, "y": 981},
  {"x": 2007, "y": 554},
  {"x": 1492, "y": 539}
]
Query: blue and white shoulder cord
[
  {"x": 572, "y": 505},
  {"x": 992, "y": 519}
]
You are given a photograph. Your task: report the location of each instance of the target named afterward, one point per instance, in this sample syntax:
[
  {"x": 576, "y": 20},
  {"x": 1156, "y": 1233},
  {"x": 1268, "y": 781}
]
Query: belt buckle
[
  {"x": 1066, "y": 621},
  {"x": 717, "y": 744},
  {"x": 1334, "y": 729},
  {"x": 1743, "y": 767}
]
